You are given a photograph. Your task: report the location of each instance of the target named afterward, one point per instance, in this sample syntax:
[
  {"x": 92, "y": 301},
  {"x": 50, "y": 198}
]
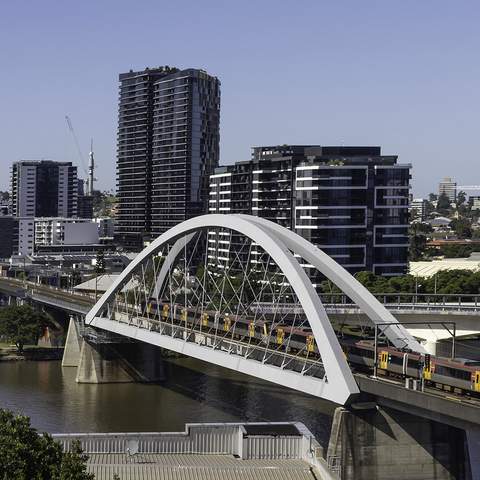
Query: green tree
[
  {"x": 456, "y": 251},
  {"x": 100, "y": 266},
  {"x": 22, "y": 324},
  {"x": 443, "y": 204},
  {"x": 418, "y": 240},
  {"x": 27, "y": 455},
  {"x": 461, "y": 198},
  {"x": 462, "y": 227},
  {"x": 432, "y": 197}
]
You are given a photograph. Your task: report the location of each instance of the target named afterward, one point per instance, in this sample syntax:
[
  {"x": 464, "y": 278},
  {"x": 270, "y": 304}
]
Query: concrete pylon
[
  {"x": 119, "y": 363},
  {"x": 73, "y": 344},
  {"x": 382, "y": 444},
  {"x": 98, "y": 365}
]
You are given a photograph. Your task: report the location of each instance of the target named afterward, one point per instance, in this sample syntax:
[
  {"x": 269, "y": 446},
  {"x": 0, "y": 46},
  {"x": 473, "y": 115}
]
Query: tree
[
  {"x": 22, "y": 324},
  {"x": 443, "y": 204},
  {"x": 418, "y": 240},
  {"x": 27, "y": 455},
  {"x": 100, "y": 266},
  {"x": 456, "y": 251},
  {"x": 461, "y": 198},
  {"x": 462, "y": 227},
  {"x": 432, "y": 197}
]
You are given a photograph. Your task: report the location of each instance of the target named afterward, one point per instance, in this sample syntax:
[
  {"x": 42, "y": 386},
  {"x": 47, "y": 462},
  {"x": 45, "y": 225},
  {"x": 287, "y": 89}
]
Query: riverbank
[{"x": 10, "y": 353}]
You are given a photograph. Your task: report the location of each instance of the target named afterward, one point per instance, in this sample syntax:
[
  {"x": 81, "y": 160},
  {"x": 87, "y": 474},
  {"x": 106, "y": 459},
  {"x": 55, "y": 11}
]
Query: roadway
[{"x": 72, "y": 302}]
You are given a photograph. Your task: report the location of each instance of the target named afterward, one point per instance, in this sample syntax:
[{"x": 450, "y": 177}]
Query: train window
[
  {"x": 413, "y": 363},
  {"x": 452, "y": 372},
  {"x": 360, "y": 352},
  {"x": 396, "y": 360}
]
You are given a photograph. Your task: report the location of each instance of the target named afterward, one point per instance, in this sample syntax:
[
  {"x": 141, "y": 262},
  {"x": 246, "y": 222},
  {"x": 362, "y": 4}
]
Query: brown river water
[{"x": 193, "y": 392}]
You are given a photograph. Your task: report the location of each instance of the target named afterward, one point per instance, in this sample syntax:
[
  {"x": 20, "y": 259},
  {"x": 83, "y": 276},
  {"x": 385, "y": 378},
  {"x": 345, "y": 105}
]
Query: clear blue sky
[{"x": 401, "y": 74}]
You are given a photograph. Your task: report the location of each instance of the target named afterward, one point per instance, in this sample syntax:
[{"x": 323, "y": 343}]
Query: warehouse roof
[
  {"x": 428, "y": 269},
  {"x": 198, "y": 467}
]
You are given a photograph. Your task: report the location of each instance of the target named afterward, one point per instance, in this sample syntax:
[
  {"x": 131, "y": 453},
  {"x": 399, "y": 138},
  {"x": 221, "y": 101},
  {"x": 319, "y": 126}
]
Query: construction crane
[{"x": 91, "y": 166}]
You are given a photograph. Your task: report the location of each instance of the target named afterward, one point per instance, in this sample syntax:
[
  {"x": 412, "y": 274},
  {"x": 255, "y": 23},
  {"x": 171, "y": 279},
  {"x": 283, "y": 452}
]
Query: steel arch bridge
[{"x": 200, "y": 289}]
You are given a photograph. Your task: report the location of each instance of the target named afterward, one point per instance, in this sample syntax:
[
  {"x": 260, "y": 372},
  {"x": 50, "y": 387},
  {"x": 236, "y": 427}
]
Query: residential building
[
  {"x": 418, "y": 209},
  {"x": 106, "y": 227},
  {"x": 84, "y": 202},
  {"x": 5, "y": 206},
  {"x": 24, "y": 241},
  {"x": 44, "y": 189},
  {"x": 85, "y": 206},
  {"x": 475, "y": 201},
  {"x": 8, "y": 236},
  {"x": 448, "y": 187},
  {"x": 65, "y": 231},
  {"x": 168, "y": 145},
  {"x": 352, "y": 202}
]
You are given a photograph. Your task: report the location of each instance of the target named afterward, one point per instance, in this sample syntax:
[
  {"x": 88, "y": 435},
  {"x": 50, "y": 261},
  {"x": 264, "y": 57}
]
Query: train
[{"x": 460, "y": 376}]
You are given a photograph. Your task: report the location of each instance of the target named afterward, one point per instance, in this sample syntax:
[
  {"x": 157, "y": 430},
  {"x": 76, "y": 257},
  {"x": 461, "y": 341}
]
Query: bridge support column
[
  {"x": 73, "y": 344},
  {"x": 473, "y": 441},
  {"x": 119, "y": 363},
  {"x": 379, "y": 443}
]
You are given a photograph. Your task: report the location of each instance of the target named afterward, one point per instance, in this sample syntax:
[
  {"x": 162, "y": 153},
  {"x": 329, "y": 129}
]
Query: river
[{"x": 193, "y": 392}]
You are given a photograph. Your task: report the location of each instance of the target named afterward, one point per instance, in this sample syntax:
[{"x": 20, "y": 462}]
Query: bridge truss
[{"x": 201, "y": 289}]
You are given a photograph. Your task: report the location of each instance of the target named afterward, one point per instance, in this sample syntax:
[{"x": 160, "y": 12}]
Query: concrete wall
[
  {"x": 82, "y": 233},
  {"x": 378, "y": 444}
]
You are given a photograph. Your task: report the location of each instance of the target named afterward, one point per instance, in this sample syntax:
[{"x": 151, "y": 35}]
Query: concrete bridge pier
[
  {"x": 376, "y": 443},
  {"x": 73, "y": 345},
  {"x": 473, "y": 442},
  {"x": 111, "y": 362},
  {"x": 119, "y": 363}
]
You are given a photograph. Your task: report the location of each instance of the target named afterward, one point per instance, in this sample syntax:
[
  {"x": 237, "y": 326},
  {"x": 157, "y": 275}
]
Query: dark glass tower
[{"x": 168, "y": 145}]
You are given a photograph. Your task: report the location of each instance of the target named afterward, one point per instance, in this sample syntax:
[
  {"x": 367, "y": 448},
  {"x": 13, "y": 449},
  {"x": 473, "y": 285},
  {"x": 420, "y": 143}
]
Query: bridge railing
[
  {"x": 334, "y": 300},
  {"x": 428, "y": 301}
]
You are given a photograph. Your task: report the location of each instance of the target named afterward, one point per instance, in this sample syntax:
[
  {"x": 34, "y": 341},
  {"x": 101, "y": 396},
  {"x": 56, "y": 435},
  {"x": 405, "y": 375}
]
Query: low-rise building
[
  {"x": 418, "y": 209},
  {"x": 106, "y": 226},
  {"x": 475, "y": 201},
  {"x": 25, "y": 238},
  {"x": 65, "y": 231}
]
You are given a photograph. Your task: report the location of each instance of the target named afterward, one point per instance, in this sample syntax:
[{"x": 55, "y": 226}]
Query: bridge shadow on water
[{"x": 247, "y": 398}]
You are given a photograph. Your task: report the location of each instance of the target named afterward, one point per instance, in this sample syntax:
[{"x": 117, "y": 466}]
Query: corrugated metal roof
[
  {"x": 197, "y": 467},
  {"x": 102, "y": 283},
  {"x": 428, "y": 269}
]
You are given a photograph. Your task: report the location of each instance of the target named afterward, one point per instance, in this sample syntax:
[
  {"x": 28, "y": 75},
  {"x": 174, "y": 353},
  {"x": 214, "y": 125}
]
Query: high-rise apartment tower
[
  {"x": 352, "y": 202},
  {"x": 168, "y": 145},
  {"x": 448, "y": 187},
  {"x": 44, "y": 189}
]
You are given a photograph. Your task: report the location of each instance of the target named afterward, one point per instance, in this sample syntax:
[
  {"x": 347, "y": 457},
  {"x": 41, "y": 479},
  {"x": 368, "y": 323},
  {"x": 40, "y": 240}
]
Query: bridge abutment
[{"x": 380, "y": 443}]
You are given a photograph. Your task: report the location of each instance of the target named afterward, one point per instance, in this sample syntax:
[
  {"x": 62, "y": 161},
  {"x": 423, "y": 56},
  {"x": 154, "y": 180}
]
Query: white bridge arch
[{"x": 328, "y": 376}]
